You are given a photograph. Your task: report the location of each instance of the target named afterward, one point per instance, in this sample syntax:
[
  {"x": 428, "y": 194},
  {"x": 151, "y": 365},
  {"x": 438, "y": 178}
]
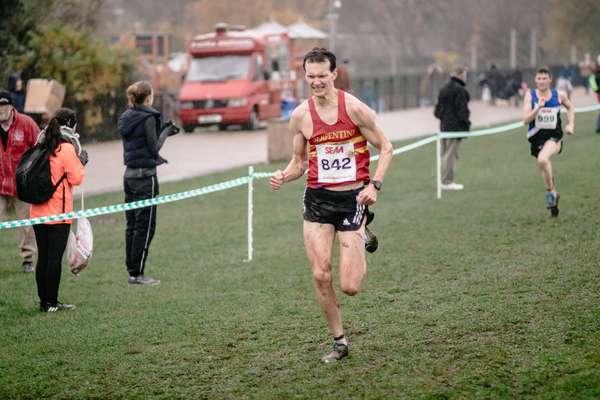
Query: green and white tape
[
  {"x": 595, "y": 107},
  {"x": 481, "y": 132},
  {"x": 408, "y": 147},
  {"x": 504, "y": 128},
  {"x": 260, "y": 175},
  {"x": 115, "y": 208}
]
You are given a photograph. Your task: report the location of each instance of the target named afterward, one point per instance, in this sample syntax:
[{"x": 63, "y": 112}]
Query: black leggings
[
  {"x": 51, "y": 243},
  {"x": 141, "y": 223}
]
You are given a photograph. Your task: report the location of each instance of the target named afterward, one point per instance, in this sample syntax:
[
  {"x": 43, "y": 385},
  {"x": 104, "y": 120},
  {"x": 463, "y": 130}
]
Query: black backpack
[{"x": 34, "y": 182}]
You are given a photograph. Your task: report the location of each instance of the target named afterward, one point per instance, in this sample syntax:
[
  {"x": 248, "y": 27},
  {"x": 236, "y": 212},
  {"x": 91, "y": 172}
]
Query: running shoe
[
  {"x": 65, "y": 307},
  {"x": 371, "y": 242},
  {"x": 142, "y": 280},
  {"x": 549, "y": 199},
  {"x": 50, "y": 308},
  {"x": 28, "y": 267},
  {"x": 340, "y": 351},
  {"x": 554, "y": 208},
  {"x": 453, "y": 186}
]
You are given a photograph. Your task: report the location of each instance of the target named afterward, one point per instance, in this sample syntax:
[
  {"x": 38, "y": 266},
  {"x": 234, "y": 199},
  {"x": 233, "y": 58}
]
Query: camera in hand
[
  {"x": 83, "y": 157},
  {"x": 173, "y": 129}
]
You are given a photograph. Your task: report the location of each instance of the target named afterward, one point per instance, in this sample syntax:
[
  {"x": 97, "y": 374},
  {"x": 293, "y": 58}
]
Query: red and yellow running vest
[{"x": 338, "y": 153}]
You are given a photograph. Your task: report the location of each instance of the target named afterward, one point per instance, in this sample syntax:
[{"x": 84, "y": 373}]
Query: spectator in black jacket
[
  {"x": 143, "y": 135},
  {"x": 453, "y": 112}
]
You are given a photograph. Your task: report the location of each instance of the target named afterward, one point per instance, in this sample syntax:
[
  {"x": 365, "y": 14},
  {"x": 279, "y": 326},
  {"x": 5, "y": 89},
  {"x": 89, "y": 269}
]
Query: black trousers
[
  {"x": 141, "y": 223},
  {"x": 51, "y": 243}
]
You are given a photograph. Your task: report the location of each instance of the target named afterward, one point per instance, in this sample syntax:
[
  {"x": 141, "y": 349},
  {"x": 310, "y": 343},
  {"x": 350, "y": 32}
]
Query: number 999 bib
[{"x": 547, "y": 118}]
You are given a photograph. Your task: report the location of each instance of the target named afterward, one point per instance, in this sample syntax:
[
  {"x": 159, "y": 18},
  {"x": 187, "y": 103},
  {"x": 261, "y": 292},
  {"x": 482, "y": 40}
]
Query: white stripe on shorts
[{"x": 360, "y": 209}]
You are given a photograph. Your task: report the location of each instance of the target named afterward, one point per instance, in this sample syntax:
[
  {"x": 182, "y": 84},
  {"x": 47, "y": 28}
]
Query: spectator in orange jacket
[
  {"x": 51, "y": 237},
  {"x": 18, "y": 133}
]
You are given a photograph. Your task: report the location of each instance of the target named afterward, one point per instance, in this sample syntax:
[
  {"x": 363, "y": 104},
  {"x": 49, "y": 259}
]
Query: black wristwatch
[{"x": 377, "y": 184}]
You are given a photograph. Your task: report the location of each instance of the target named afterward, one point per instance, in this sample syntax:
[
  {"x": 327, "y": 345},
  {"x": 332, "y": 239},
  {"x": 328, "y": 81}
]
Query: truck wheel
[
  {"x": 223, "y": 127},
  {"x": 188, "y": 128},
  {"x": 252, "y": 124}
]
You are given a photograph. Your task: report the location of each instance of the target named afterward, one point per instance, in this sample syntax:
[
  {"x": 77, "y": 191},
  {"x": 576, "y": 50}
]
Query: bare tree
[{"x": 385, "y": 37}]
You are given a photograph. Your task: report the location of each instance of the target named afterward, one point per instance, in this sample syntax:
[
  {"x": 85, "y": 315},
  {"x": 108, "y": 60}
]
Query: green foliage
[
  {"x": 88, "y": 67},
  {"x": 45, "y": 39},
  {"x": 94, "y": 74},
  {"x": 479, "y": 295},
  {"x": 19, "y": 21}
]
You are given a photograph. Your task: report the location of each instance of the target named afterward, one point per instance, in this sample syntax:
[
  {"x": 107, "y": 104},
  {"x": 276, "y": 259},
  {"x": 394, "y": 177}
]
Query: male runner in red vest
[{"x": 336, "y": 127}]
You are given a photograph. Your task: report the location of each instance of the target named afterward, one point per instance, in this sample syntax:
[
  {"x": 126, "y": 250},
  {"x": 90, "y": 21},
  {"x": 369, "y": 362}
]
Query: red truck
[{"x": 234, "y": 78}]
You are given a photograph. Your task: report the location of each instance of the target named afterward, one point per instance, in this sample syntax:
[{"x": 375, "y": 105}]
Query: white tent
[
  {"x": 270, "y": 28},
  {"x": 300, "y": 30}
]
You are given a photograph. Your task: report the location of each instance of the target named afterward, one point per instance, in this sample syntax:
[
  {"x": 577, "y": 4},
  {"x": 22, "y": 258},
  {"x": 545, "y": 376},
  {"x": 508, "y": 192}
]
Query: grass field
[{"x": 479, "y": 295}]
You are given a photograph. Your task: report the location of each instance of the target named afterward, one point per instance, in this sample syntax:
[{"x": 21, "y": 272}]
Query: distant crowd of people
[{"x": 502, "y": 85}]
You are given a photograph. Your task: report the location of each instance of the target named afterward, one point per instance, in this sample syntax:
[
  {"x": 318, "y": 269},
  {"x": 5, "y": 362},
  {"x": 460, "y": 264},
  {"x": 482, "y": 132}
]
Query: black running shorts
[
  {"x": 538, "y": 140},
  {"x": 337, "y": 208}
]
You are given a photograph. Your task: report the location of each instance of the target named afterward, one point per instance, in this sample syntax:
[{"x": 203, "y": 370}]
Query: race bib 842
[{"x": 336, "y": 162}]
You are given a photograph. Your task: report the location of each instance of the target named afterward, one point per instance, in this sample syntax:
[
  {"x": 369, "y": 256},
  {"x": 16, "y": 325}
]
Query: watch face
[{"x": 377, "y": 185}]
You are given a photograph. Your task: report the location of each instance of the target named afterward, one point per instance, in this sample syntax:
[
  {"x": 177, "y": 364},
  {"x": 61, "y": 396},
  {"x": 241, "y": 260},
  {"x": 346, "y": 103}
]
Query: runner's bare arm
[
  {"x": 365, "y": 119},
  {"x": 529, "y": 113},
  {"x": 564, "y": 100},
  {"x": 295, "y": 167}
]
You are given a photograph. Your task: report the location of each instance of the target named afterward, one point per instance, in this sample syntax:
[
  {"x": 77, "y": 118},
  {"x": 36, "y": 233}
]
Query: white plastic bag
[{"x": 80, "y": 245}]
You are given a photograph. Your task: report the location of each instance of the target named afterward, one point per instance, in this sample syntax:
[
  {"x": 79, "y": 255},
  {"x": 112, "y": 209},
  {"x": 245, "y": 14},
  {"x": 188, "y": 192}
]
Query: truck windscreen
[{"x": 218, "y": 68}]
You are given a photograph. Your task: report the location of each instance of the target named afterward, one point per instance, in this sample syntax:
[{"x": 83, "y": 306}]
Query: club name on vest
[{"x": 334, "y": 136}]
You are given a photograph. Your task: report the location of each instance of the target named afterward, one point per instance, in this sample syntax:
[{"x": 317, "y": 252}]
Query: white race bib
[
  {"x": 336, "y": 163},
  {"x": 547, "y": 118}
]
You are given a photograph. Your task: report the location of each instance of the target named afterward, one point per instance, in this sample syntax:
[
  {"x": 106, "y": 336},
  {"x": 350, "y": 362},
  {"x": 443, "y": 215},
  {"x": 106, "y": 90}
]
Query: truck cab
[{"x": 229, "y": 81}]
